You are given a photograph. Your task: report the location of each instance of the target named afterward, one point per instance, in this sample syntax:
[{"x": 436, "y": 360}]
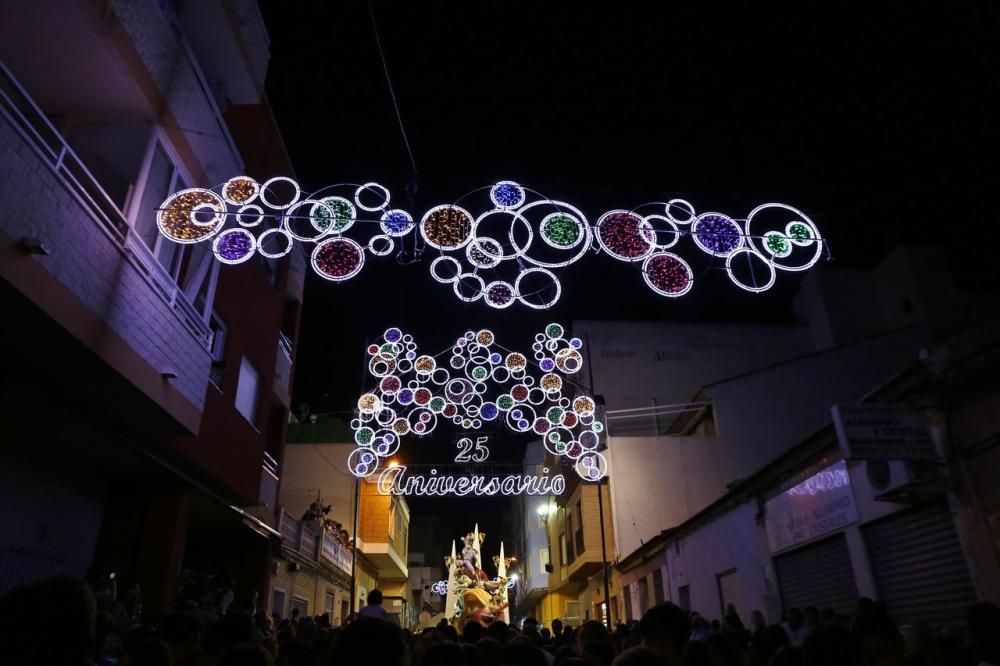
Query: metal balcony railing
[
  {"x": 17, "y": 107},
  {"x": 304, "y": 540}
]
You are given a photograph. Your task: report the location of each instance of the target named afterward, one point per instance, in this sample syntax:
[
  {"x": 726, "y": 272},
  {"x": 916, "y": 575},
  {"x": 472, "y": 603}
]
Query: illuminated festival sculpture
[
  {"x": 479, "y": 382},
  {"x": 505, "y": 253},
  {"x": 470, "y": 594}
]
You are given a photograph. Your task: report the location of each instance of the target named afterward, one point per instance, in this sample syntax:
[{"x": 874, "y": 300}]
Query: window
[
  {"x": 278, "y": 601},
  {"x": 642, "y": 592},
  {"x": 301, "y": 604},
  {"x": 543, "y": 560},
  {"x": 684, "y": 597},
  {"x": 328, "y": 603},
  {"x": 562, "y": 549},
  {"x": 627, "y": 593},
  {"x": 248, "y": 391},
  {"x": 658, "y": 586},
  {"x": 162, "y": 179},
  {"x": 570, "y": 555},
  {"x": 579, "y": 529}
]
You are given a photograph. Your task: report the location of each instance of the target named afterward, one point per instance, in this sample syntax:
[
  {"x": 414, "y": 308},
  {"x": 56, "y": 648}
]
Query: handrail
[{"x": 17, "y": 106}]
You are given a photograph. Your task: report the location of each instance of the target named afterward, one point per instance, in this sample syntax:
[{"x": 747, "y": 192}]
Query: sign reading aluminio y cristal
[
  {"x": 822, "y": 503},
  {"x": 883, "y": 432}
]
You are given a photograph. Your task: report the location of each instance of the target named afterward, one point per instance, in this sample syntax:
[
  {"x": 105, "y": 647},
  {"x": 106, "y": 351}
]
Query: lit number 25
[{"x": 472, "y": 452}]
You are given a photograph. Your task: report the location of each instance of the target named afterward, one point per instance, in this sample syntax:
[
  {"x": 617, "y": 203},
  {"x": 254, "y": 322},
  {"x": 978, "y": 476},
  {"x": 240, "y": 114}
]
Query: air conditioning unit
[{"x": 903, "y": 481}]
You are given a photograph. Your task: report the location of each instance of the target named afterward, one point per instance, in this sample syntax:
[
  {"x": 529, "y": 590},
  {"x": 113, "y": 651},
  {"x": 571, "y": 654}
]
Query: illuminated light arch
[
  {"x": 504, "y": 252},
  {"x": 480, "y": 381}
]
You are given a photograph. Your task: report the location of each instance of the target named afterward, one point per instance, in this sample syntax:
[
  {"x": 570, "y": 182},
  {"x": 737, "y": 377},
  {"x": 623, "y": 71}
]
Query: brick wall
[{"x": 36, "y": 202}]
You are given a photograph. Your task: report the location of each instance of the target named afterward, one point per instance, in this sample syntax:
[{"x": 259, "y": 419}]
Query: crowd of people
[{"x": 62, "y": 622}]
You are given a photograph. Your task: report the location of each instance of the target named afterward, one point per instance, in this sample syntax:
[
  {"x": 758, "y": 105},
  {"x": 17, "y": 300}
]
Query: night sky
[{"x": 879, "y": 120}]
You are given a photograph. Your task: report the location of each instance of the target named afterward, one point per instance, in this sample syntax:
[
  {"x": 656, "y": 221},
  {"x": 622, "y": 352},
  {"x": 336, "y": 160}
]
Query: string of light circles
[
  {"x": 508, "y": 253},
  {"x": 481, "y": 382}
]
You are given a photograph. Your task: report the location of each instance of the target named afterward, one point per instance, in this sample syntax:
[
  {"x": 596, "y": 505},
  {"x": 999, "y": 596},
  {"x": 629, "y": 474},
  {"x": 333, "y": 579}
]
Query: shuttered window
[
  {"x": 819, "y": 575},
  {"x": 730, "y": 592},
  {"x": 919, "y": 567}
]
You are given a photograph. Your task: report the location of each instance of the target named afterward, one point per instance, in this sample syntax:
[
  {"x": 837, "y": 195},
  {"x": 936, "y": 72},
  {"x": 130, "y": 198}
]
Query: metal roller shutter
[
  {"x": 730, "y": 592},
  {"x": 919, "y": 567},
  {"x": 818, "y": 575}
]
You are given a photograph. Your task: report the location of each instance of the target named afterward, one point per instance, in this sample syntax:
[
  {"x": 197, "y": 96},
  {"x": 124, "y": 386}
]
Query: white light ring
[
  {"x": 536, "y": 396},
  {"x": 642, "y": 227},
  {"x": 468, "y": 238},
  {"x": 536, "y": 306},
  {"x": 656, "y": 233},
  {"x": 370, "y": 187},
  {"x": 751, "y": 251},
  {"x": 591, "y": 466},
  {"x": 708, "y": 250},
  {"x": 274, "y": 255},
  {"x": 458, "y": 283},
  {"x": 362, "y": 462},
  {"x": 783, "y": 236},
  {"x": 685, "y": 206},
  {"x": 327, "y": 202},
  {"x": 506, "y": 182},
  {"x": 545, "y": 239},
  {"x": 385, "y": 422},
  {"x": 492, "y": 259},
  {"x": 802, "y": 218},
  {"x": 500, "y": 370},
  {"x": 388, "y": 230},
  {"x": 500, "y": 306},
  {"x": 262, "y": 194},
  {"x": 801, "y": 242},
  {"x": 668, "y": 294},
  {"x": 220, "y": 208},
  {"x": 435, "y": 379},
  {"x": 218, "y": 217},
  {"x": 244, "y": 209},
  {"x": 293, "y": 211},
  {"x": 458, "y": 269},
  {"x": 338, "y": 239},
  {"x": 390, "y": 245},
  {"x": 256, "y": 190},
  {"x": 515, "y": 216},
  {"x": 235, "y": 231},
  {"x": 584, "y": 244}
]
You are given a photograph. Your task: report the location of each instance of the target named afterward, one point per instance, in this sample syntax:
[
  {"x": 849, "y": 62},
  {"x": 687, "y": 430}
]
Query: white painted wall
[
  {"x": 638, "y": 363},
  {"x": 308, "y": 467}
]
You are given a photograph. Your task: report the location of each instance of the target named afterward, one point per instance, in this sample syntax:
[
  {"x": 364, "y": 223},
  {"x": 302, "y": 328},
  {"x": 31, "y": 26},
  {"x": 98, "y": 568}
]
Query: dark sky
[{"x": 877, "y": 119}]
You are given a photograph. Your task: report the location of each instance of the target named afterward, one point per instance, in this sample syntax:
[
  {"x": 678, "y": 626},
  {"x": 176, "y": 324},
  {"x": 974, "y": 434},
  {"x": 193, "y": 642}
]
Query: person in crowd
[
  {"x": 639, "y": 655},
  {"x": 796, "y": 628},
  {"x": 984, "y": 633},
  {"x": 557, "y": 630},
  {"x": 369, "y": 641},
  {"x": 26, "y": 637},
  {"x": 489, "y": 650},
  {"x": 472, "y": 632},
  {"x": 664, "y": 629},
  {"x": 522, "y": 651},
  {"x": 700, "y": 629},
  {"x": 374, "y": 607}
]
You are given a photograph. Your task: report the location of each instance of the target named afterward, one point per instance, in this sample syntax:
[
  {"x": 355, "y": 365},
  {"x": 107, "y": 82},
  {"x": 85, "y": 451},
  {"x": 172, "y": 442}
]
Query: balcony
[
  {"x": 306, "y": 542},
  {"x": 50, "y": 195},
  {"x": 268, "y": 495}
]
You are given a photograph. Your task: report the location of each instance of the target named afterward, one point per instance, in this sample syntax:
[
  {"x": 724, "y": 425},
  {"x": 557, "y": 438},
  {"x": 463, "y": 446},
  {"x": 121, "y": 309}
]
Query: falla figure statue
[{"x": 472, "y": 596}]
